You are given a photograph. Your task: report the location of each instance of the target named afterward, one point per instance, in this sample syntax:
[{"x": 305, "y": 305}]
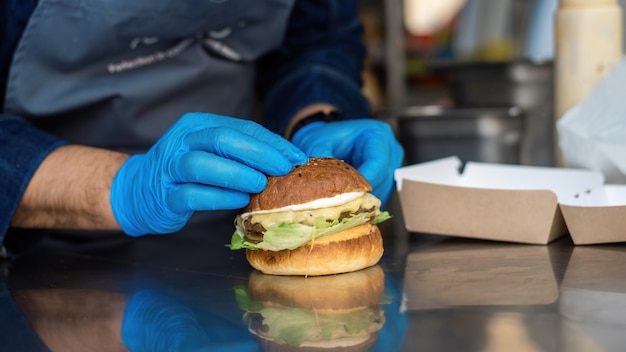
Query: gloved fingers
[
  {"x": 295, "y": 155},
  {"x": 372, "y": 159},
  {"x": 204, "y": 121},
  {"x": 309, "y": 137},
  {"x": 197, "y": 197},
  {"x": 384, "y": 191},
  {"x": 376, "y": 158},
  {"x": 369, "y": 145},
  {"x": 320, "y": 150},
  {"x": 209, "y": 169},
  {"x": 272, "y": 156}
]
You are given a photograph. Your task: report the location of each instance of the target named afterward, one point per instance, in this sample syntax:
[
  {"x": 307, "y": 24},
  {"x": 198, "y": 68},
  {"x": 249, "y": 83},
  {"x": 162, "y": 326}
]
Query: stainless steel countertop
[{"x": 440, "y": 294}]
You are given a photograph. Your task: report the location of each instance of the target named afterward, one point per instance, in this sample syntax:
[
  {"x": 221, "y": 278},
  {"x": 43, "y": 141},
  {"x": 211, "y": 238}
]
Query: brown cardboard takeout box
[{"x": 512, "y": 203}]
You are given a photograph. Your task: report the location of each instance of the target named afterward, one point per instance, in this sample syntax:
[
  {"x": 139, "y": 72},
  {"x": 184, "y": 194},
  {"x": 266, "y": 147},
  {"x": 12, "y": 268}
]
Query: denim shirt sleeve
[
  {"x": 321, "y": 61},
  {"x": 23, "y": 147}
]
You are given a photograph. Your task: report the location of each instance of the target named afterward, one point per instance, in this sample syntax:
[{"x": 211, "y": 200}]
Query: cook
[{"x": 135, "y": 115}]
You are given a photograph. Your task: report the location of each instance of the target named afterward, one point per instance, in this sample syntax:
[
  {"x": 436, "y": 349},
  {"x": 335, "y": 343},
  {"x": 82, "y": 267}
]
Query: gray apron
[{"x": 117, "y": 73}]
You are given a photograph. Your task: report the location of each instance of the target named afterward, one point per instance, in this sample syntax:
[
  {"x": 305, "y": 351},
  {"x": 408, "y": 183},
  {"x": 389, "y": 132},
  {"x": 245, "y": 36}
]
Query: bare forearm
[{"x": 70, "y": 190}]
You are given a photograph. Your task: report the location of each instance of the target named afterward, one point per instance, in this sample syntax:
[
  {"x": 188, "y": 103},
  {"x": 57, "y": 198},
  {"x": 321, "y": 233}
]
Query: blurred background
[{"x": 472, "y": 78}]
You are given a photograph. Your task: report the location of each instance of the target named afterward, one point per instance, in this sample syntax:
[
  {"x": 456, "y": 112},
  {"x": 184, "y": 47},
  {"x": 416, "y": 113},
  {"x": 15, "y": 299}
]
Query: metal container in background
[
  {"x": 473, "y": 134},
  {"x": 501, "y": 112},
  {"x": 525, "y": 84}
]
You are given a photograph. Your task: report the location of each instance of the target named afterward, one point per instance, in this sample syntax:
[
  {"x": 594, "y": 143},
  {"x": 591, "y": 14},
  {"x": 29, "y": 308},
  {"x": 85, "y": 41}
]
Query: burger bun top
[{"x": 317, "y": 179}]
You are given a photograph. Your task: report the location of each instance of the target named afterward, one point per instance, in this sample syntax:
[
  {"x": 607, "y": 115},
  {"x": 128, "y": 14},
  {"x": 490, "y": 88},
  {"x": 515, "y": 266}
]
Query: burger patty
[{"x": 257, "y": 229}]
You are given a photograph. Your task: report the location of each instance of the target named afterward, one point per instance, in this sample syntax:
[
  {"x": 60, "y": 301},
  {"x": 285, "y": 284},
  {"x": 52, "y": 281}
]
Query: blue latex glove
[
  {"x": 203, "y": 162},
  {"x": 367, "y": 144}
]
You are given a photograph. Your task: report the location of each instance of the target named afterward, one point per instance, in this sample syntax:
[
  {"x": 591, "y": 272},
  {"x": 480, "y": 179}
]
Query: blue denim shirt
[{"x": 320, "y": 61}]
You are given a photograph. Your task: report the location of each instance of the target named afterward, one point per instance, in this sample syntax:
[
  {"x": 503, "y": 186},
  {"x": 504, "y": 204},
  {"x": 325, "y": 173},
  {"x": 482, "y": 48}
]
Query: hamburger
[
  {"x": 319, "y": 219},
  {"x": 333, "y": 312}
]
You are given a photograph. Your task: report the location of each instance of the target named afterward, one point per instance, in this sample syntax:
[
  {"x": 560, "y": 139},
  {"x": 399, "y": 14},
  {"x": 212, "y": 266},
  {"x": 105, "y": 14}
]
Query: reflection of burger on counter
[
  {"x": 339, "y": 312},
  {"x": 319, "y": 219}
]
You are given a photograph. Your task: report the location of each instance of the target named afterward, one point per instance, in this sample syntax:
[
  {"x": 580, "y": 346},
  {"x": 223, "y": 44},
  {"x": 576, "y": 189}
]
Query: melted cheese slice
[{"x": 309, "y": 215}]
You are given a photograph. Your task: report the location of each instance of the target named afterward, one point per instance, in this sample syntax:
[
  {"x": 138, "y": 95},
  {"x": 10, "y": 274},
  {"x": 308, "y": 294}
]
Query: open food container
[{"x": 511, "y": 203}]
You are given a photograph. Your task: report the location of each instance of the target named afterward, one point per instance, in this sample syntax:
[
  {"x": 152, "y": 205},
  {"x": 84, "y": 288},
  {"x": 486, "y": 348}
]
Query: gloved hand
[
  {"x": 203, "y": 162},
  {"x": 367, "y": 144}
]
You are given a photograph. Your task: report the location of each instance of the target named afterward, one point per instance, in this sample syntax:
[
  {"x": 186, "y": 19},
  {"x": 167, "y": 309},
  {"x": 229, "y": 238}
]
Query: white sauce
[{"x": 316, "y": 204}]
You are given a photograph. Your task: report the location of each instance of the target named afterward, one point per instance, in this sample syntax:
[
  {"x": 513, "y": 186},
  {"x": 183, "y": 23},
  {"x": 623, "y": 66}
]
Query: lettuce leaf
[
  {"x": 244, "y": 300},
  {"x": 238, "y": 242},
  {"x": 383, "y": 216},
  {"x": 286, "y": 236},
  {"x": 293, "y": 326},
  {"x": 292, "y": 235}
]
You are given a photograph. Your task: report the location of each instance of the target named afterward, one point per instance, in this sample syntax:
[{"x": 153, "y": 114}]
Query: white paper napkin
[{"x": 593, "y": 133}]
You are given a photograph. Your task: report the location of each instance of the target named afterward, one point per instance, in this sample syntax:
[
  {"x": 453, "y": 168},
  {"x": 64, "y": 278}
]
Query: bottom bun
[{"x": 351, "y": 250}]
